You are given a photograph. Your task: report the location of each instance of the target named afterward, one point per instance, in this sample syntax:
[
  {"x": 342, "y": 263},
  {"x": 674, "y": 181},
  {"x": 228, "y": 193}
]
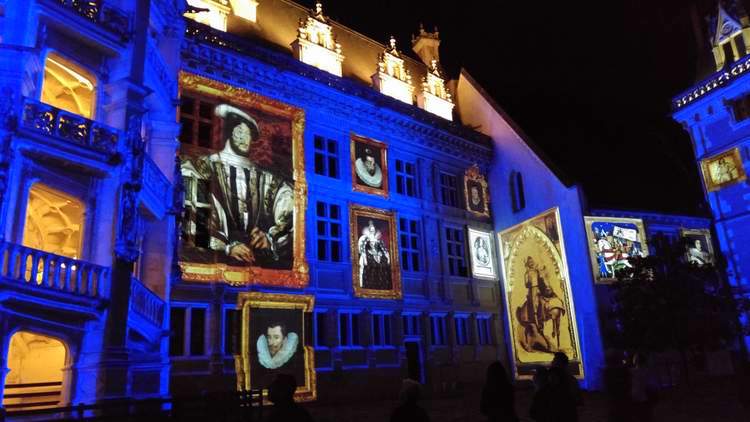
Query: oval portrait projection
[
  {"x": 241, "y": 167},
  {"x": 540, "y": 309}
]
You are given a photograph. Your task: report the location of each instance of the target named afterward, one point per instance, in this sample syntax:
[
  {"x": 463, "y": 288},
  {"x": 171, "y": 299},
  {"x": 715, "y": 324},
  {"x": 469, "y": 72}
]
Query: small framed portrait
[
  {"x": 698, "y": 246},
  {"x": 369, "y": 166},
  {"x": 482, "y": 253},
  {"x": 723, "y": 170},
  {"x": 375, "y": 264},
  {"x": 476, "y": 192},
  {"x": 276, "y": 339}
]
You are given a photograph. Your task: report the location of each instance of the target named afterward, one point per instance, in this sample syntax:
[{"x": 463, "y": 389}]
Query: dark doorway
[{"x": 414, "y": 360}]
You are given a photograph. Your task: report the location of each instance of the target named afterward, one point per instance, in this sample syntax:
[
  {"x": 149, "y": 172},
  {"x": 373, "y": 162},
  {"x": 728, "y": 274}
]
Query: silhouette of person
[
  {"x": 552, "y": 401},
  {"x": 643, "y": 389},
  {"x": 281, "y": 393},
  {"x": 497, "y": 402},
  {"x": 617, "y": 387},
  {"x": 408, "y": 409}
]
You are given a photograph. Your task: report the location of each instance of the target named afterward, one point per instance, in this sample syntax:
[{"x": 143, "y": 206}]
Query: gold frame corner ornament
[
  {"x": 383, "y": 147},
  {"x": 734, "y": 153},
  {"x": 395, "y": 292},
  {"x": 299, "y": 275},
  {"x": 474, "y": 174},
  {"x": 248, "y": 300}
]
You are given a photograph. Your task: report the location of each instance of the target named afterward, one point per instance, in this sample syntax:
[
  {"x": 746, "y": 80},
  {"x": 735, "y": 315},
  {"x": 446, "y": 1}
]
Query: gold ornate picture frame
[
  {"x": 298, "y": 275},
  {"x": 538, "y": 295},
  {"x": 369, "y": 165},
  {"x": 374, "y": 243},
  {"x": 612, "y": 241},
  {"x": 723, "y": 169},
  {"x": 252, "y": 306},
  {"x": 476, "y": 192}
]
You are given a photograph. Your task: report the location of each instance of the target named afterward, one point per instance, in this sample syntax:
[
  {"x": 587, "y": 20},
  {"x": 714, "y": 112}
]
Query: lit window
[
  {"x": 328, "y": 229},
  {"x": 35, "y": 364},
  {"x": 406, "y": 178},
  {"x": 68, "y": 86},
  {"x": 409, "y": 242},
  {"x": 326, "y": 157},
  {"x": 381, "y": 330},
  {"x": 448, "y": 189},
  {"x": 454, "y": 239},
  {"x": 54, "y": 222}
]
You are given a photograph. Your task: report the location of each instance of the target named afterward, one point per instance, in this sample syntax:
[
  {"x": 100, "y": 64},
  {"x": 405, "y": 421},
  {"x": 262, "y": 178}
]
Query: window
[
  {"x": 448, "y": 189},
  {"x": 349, "y": 329},
  {"x": 329, "y": 232},
  {"x": 409, "y": 242},
  {"x": 462, "y": 333},
  {"x": 231, "y": 331},
  {"x": 741, "y": 108},
  {"x": 68, "y": 86},
  {"x": 188, "y": 331},
  {"x": 518, "y": 196},
  {"x": 321, "y": 318},
  {"x": 54, "y": 222},
  {"x": 437, "y": 327},
  {"x": 454, "y": 239},
  {"x": 412, "y": 325},
  {"x": 406, "y": 178},
  {"x": 326, "y": 157},
  {"x": 381, "y": 330},
  {"x": 484, "y": 333},
  {"x": 197, "y": 121}
]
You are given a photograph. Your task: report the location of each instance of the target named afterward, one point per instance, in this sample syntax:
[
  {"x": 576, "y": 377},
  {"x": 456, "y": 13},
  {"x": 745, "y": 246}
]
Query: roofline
[{"x": 559, "y": 173}]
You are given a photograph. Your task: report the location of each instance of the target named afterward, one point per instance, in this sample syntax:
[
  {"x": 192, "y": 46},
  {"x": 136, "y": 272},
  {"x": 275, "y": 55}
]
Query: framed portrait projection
[
  {"x": 243, "y": 173},
  {"x": 482, "y": 254},
  {"x": 369, "y": 166},
  {"x": 612, "y": 242},
  {"x": 375, "y": 267},
  {"x": 538, "y": 295},
  {"x": 276, "y": 339},
  {"x": 723, "y": 170},
  {"x": 699, "y": 249},
  {"x": 476, "y": 193}
]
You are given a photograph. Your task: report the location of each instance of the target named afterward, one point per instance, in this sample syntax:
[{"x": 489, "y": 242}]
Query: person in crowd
[
  {"x": 617, "y": 387},
  {"x": 643, "y": 390},
  {"x": 408, "y": 410},
  {"x": 281, "y": 394},
  {"x": 497, "y": 402}
]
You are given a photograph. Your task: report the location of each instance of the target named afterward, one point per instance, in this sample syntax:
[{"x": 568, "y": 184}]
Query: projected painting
[
  {"x": 369, "y": 166},
  {"x": 698, "y": 247},
  {"x": 612, "y": 243},
  {"x": 482, "y": 254},
  {"x": 375, "y": 264},
  {"x": 723, "y": 170},
  {"x": 243, "y": 174},
  {"x": 537, "y": 295},
  {"x": 476, "y": 192},
  {"x": 275, "y": 340}
]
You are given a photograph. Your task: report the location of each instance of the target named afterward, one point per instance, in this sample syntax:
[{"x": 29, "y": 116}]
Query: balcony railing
[
  {"x": 111, "y": 19},
  {"x": 45, "y": 270},
  {"x": 51, "y": 121},
  {"x": 146, "y": 303}
]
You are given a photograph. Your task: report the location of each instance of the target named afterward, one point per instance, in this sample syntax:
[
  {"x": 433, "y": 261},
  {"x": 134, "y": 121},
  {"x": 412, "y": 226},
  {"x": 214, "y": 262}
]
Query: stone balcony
[{"x": 107, "y": 17}]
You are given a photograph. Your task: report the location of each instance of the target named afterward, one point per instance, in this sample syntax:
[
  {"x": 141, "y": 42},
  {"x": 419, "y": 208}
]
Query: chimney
[{"x": 426, "y": 44}]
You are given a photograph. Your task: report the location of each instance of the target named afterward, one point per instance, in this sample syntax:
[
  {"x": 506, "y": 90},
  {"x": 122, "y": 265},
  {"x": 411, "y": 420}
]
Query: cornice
[{"x": 240, "y": 62}]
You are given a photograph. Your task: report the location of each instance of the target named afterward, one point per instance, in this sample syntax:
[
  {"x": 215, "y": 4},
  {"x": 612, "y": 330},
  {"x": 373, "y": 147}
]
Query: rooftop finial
[
  {"x": 393, "y": 42},
  {"x": 318, "y": 8}
]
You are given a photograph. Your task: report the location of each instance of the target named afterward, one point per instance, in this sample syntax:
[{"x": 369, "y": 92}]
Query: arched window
[
  {"x": 35, "y": 376},
  {"x": 68, "y": 86},
  {"x": 54, "y": 222}
]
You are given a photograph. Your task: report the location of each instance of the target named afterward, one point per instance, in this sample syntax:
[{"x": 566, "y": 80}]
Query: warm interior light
[
  {"x": 54, "y": 222},
  {"x": 32, "y": 359},
  {"x": 215, "y": 16},
  {"x": 68, "y": 86}
]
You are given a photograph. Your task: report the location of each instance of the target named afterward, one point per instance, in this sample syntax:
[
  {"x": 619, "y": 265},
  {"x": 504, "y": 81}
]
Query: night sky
[{"x": 589, "y": 82}]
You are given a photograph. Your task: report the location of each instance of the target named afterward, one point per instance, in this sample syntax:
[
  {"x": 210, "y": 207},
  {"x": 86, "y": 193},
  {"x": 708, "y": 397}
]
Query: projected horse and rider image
[{"x": 613, "y": 242}]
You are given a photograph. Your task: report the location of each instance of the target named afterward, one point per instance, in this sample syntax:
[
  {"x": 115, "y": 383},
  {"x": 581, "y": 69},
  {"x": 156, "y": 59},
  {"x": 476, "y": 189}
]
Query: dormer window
[
  {"x": 68, "y": 86},
  {"x": 435, "y": 97},
  {"x": 728, "y": 42},
  {"x": 392, "y": 78},
  {"x": 316, "y": 44}
]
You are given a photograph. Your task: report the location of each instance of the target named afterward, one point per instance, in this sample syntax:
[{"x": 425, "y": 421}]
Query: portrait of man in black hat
[{"x": 251, "y": 215}]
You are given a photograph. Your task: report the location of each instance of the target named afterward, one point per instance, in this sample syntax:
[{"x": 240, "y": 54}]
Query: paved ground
[{"x": 708, "y": 400}]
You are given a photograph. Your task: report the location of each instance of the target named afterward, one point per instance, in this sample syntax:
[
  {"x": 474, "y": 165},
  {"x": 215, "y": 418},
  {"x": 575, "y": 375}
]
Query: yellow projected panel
[
  {"x": 68, "y": 86},
  {"x": 537, "y": 295},
  {"x": 54, "y": 222}
]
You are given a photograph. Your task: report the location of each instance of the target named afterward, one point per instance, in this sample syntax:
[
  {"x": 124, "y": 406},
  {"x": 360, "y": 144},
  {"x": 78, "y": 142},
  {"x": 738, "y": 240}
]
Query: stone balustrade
[
  {"x": 146, "y": 303},
  {"x": 45, "y": 270}
]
